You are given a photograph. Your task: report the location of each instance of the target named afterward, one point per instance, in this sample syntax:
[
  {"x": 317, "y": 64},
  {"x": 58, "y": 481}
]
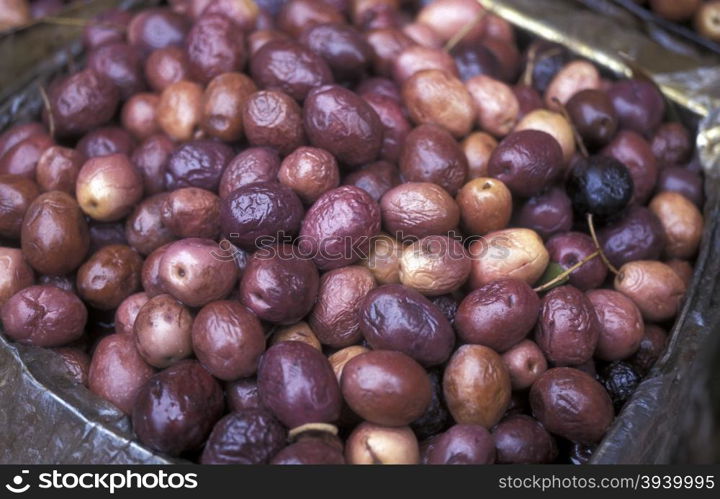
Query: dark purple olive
[
  {"x": 242, "y": 394},
  {"x": 528, "y": 99},
  {"x": 498, "y": 315},
  {"x": 81, "y": 102},
  {"x": 337, "y": 228},
  {"x": 461, "y": 444},
  {"x": 395, "y": 124},
  {"x": 279, "y": 285},
  {"x": 144, "y": 229},
  {"x": 288, "y": 66},
  {"x": 313, "y": 451},
  {"x": 106, "y": 141},
  {"x": 593, "y": 115},
  {"x": 672, "y": 144},
  {"x": 521, "y": 439},
  {"x": 632, "y": 150},
  {"x": 526, "y": 161},
  {"x": 474, "y": 59},
  {"x": 431, "y": 154},
  {"x": 213, "y": 47},
  {"x": 547, "y": 213},
  {"x": 156, "y": 28},
  {"x": 570, "y": 248},
  {"x": 298, "y": 385},
  {"x": 341, "y": 122},
  {"x": 343, "y": 47},
  {"x": 568, "y": 329},
  {"x": 393, "y": 317},
  {"x": 547, "y": 59},
  {"x": 150, "y": 158},
  {"x": 176, "y": 409},
  {"x": 638, "y": 235},
  {"x": 254, "y": 164},
  {"x": 198, "y": 163},
  {"x": 121, "y": 64},
  {"x": 683, "y": 181},
  {"x": 260, "y": 214},
  {"x": 44, "y": 316},
  {"x": 249, "y": 436},
  {"x": 571, "y": 404},
  {"x": 639, "y": 105}
]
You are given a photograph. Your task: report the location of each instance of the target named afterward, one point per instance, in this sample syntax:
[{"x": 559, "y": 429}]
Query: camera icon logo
[{"x": 17, "y": 487}]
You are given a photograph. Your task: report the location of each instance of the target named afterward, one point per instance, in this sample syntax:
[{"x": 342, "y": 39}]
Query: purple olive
[{"x": 298, "y": 385}]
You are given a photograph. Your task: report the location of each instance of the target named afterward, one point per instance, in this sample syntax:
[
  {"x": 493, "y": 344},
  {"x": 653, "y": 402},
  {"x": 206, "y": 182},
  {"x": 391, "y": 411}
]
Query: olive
[
  {"x": 393, "y": 317},
  {"x": 521, "y": 439},
  {"x": 250, "y": 436},
  {"x": 386, "y": 387},
  {"x": 298, "y": 385},
  {"x": 568, "y": 328},
  {"x": 461, "y": 444},
  {"x": 176, "y": 409},
  {"x": 601, "y": 186},
  {"x": 571, "y": 404},
  {"x": 477, "y": 386}
]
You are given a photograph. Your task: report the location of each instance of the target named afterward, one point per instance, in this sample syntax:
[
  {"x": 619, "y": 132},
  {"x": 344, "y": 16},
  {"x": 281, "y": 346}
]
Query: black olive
[
  {"x": 599, "y": 185},
  {"x": 620, "y": 380}
]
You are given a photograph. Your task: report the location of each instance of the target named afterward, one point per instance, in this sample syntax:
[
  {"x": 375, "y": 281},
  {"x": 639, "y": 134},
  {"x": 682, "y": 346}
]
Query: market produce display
[{"x": 363, "y": 231}]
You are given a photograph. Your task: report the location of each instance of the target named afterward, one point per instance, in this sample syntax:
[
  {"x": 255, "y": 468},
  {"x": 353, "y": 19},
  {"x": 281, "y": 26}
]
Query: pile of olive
[{"x": 336, "y": 231}]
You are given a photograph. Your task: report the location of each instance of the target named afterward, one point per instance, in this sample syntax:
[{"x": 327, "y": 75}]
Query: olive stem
[
  {"x": 527, "y": 75},
  {"x": 323, "y": 427},
  {"x": 48, "y": 108},
  {"x": 605, "y": 260},
  {"x": 65, "y": 21},
  {"x": 532, "y": 59},
  {"x": 457, "y": 37},
  {"x": 578, "y": 138},
  {"x": 566, "y": 272}
]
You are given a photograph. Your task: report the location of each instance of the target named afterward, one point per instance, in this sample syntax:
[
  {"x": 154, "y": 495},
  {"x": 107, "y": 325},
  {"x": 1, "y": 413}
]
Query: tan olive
[
  {"x": 478, "y": 147},
  {"x": 223, "y": 102},
  {"x": 384, "y": 259},
  {"x": 439, "y": 98},
  {"x": 654, "y": 287},
  {"x": 14, "y": 13},
  {"x": 553, "y": 123},
  {"x": 374, "y": 444},
  {"x": 108, "y": 187},
  {"x": 163, "y": 329},
  {"x": 496, "y": 105},
  {"x": 485, "y": 206},
  {"x": 180, "y": 109},
  {"x": 681, "y": 221},
  {"x": 477, "y": 386},
  {"x": 299, "y": 331},
  {"x": 434, "y": 265},
  {"x": 571, "y": 79},
  {"x": 342, "y": 357},
  {"x": 516, "y": 253}
]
